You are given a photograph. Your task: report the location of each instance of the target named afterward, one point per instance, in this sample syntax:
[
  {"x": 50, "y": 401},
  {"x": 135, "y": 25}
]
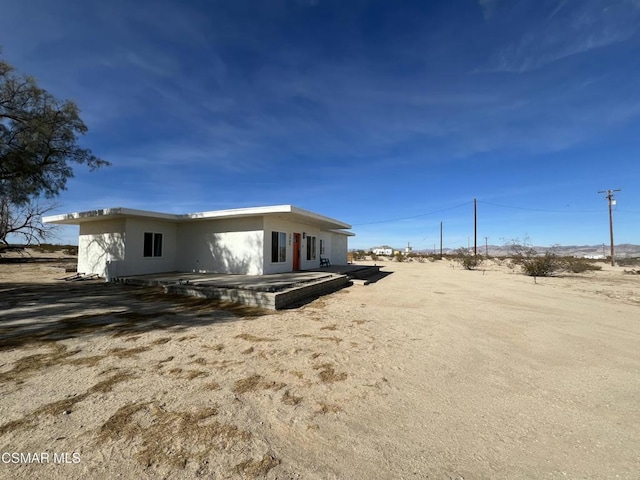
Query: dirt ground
[{"x": 433, "y": 372}]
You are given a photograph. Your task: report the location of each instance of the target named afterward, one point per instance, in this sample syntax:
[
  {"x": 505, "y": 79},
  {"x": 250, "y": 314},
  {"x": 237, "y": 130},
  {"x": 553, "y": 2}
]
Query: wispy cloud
[{"x": 566, "y": 29}]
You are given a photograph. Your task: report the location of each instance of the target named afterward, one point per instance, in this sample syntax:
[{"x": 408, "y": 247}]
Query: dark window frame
[
  {"x": 311, "y": 248},
  {"x": 278, "y": 247},
  {"x": 152, "y": 245}
]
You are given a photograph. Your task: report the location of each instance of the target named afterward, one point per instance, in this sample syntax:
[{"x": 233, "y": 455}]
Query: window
[
  {"x": 311, "y": 248},
  {"x": 278, "y": 247},
  {"x": 152, "y": 244},
  {"x": 322, "y": 246}
]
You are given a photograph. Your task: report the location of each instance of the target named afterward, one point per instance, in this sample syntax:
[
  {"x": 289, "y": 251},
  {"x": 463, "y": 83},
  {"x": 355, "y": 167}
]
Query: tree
[
  {"x": 24, "y": 221},
  {"x": 38, "y": 144}
]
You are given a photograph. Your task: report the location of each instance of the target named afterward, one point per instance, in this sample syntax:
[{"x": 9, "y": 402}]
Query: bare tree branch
[{"x": 24, "y": 221}]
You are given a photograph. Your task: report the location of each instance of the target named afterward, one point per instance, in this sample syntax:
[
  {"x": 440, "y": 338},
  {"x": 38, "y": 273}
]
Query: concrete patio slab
[{"x": 275, "y": 291}]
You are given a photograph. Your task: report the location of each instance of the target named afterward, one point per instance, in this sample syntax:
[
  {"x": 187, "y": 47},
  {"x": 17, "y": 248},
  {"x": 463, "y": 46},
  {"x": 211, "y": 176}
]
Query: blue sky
[{"x": 391, "y": 115}]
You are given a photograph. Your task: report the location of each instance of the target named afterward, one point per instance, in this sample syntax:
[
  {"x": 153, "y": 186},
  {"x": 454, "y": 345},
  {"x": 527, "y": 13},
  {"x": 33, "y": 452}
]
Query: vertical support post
[
  {"x": 475, "y": 227},
  {"x": 609, "y": 197},
  {"x": 613, "y": 258}
]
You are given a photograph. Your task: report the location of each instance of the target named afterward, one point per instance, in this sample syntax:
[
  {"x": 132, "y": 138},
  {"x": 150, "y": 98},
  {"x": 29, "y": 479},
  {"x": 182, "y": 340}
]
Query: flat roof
[{"x": 288, "y": 212}]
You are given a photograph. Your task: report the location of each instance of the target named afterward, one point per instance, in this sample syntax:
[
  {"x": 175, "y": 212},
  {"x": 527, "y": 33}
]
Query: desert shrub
[
  {"x": 47, "y": 248},
  {"x": 467, "y": 259},
  {"x": 499, "y": 261},
  {"x": 374, "y": 257},
  {"x": 628, "y": 261},
  {"x": 359, "y": 254},
  {"x": 71, "y": 250},
  {"x": 532, "y": 263},
  {"x": 399, "y": 257},
  {"x": 541, "y": 265},
  {"x": 579, "y": 265}
]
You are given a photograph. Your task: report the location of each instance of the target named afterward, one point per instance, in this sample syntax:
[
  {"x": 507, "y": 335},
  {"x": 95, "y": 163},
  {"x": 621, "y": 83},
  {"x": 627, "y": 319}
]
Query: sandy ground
[{"x": 433, "y": 372}]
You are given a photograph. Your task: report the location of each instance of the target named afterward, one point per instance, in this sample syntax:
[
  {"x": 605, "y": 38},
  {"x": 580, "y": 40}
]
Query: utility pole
[
  {"x": 440, "y": 240},
  {"x": 609, "y": 197},
  {"x": 486, "y": 246},
  {"x": 475, "y": 227}
]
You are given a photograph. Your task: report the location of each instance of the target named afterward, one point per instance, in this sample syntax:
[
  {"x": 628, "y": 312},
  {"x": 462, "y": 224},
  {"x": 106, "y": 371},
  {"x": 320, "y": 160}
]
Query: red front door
[{"x": 296, "y": 252}]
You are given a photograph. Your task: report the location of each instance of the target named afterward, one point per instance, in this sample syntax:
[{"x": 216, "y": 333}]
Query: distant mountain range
[{"x": 625, "y": 250}]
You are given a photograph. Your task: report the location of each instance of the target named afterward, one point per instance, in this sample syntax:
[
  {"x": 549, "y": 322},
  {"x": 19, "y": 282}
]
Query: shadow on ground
[
  {"x": 48, "y": 312},
  {"x": 378, "y": 276}
]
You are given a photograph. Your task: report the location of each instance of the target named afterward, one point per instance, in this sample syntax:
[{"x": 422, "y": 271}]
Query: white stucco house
[{"x": 117, "y": 242}]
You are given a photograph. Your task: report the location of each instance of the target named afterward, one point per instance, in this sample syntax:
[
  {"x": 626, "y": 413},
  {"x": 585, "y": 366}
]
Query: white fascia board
[
  {"x": 343, "y": 232},
  {"x": 321, "y": 218},
  {"x": 77, "y": 218},
  {"x": 237, "y": 212},
  {"x": 297, "y": 214}
]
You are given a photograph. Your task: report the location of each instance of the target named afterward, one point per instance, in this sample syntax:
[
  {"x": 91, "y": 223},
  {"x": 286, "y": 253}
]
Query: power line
[
  {"x": 414, "y": 216},
  {"x": 537, "y": 209}
]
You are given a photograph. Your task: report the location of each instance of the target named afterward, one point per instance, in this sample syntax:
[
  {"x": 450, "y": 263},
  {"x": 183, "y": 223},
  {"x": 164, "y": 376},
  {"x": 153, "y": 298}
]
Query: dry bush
[
  {"x": 399, "y": 257},
  {"x": 579, "y": 265},
  {"x": 468, "y": 260},
  {"x": 628, "y": 261},
  {"x": 531, "y": 262}
]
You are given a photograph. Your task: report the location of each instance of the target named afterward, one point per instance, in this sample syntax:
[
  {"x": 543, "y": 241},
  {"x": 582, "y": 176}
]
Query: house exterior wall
[
  {"x": 274, "y": 224},
  {"x": 100, "y": 242},
  {"x": 135, "y": 263},
  {"x": 243, "y": 245},
  {"x": 339, "y": 249},
  {"x": 326, "y": 237},
  {"x": 221, "y": 246}
]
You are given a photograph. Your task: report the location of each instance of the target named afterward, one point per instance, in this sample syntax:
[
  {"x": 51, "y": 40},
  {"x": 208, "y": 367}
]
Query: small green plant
[
  {"x": 399, "y": 257},
  {"x": 374, "y": 257},
  {"x": 468, "y": 260}
]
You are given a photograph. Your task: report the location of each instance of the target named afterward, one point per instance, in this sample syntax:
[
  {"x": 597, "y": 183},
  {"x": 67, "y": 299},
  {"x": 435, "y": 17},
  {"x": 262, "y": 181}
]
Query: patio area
[{"x": 275, "y": 291}]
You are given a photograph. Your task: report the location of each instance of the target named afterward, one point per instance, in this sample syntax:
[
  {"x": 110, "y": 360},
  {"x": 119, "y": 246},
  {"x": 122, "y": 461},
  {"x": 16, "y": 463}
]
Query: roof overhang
[
  {"x": 287, "y": 212},
  {"x": 77, "y": 218}
]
